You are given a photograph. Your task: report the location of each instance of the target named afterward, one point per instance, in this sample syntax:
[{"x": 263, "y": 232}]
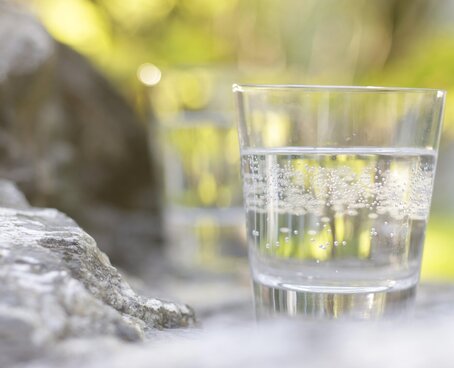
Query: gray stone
[
  {"x": 23, "y": 48},
  {"x": 71, "y": 141},
  {"x": 11, "y": 197},
  {"x": 417, "y": 342},
  {"x": 56, "y": 284}
]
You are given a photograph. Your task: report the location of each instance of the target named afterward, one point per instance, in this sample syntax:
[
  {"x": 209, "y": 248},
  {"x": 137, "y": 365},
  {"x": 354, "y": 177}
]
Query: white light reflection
[{"x": 149, "y": 74}]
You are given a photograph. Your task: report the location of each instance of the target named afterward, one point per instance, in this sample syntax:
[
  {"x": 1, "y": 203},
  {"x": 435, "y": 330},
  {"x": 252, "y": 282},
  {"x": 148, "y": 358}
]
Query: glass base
[{"x": 274, "y": 302}]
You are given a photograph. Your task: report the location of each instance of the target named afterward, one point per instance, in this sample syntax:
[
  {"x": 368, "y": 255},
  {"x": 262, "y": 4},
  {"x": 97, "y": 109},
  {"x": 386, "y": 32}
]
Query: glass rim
[{"x": 336, "y": 88}]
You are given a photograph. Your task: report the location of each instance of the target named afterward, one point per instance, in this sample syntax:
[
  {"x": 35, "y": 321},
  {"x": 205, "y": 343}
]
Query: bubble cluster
[
  {"x": 345, "y": 184},
  {"x": 324, "y": 204}
]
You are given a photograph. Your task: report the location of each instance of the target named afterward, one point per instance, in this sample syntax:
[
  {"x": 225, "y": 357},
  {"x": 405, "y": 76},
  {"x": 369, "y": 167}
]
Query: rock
[
  {"x": 56, "y": 284},
  {"x": 70, "y": 140},
  {"x": 11, "y": 197},
  {"x": 408, "y": 343},
  {"x": 24, "y": 44}
]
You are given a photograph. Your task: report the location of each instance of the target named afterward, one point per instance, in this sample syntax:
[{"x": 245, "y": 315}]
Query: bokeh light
[{"x": 149, "y": 74}]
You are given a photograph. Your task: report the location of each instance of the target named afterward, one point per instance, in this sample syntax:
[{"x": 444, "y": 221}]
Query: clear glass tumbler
[
  {"x": 337, "y": 185},
  {"x": 198, "y": 144}
]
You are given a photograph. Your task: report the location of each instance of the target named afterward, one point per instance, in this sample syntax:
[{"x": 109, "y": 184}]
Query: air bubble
[
  {"x": 278, "y": 244},
  {"x": 373, "y": 216},
  {"x": 284, "y": 230},
  {"x": 295, "y": 232},
  {"x": 325, "y": 219},
  {"x": 286, "y": 239},
  {"x": 255, "y": 233},
  {"x": 344, "y": 243},
  {"x": 312, "y": 232},
  {"x": 336, "y": 243}
]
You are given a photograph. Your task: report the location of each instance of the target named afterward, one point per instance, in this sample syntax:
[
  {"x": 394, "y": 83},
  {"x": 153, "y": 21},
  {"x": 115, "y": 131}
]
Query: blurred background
[{"x": 106, "y": 102}]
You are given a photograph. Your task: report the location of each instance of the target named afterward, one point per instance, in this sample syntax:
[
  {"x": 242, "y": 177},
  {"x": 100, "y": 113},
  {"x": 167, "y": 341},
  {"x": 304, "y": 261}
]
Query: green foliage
[{"x": 438, "y": 250}]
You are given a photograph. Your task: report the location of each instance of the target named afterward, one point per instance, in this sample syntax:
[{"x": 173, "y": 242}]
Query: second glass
[{"x": 337, "y": 188}]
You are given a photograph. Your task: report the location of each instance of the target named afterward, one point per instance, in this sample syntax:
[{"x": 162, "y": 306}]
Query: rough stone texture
[
  {"x": 71, "y": 141},
  {"x": 56, "y": 284},
  {"x": 419, "y": 342}
]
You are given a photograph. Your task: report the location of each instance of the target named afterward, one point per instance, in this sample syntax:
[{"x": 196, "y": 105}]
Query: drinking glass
[
  {"x": 198, "y": 142},
  {"x": 337, "y": 185}
]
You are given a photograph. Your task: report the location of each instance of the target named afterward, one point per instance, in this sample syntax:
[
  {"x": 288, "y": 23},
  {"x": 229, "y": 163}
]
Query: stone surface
[
  {"x": 419, "y": 342},
  {"x": 71, "y": 141},
  {"x": 11, "y": 197},
  {"x": 56, "y": 284}
]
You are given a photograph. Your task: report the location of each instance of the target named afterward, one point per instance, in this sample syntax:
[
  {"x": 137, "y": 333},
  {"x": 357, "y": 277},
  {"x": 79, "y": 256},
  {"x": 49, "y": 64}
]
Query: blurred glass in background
[
  {"x": 198, "y": 146},
  {"x": 355, "y": 42}
]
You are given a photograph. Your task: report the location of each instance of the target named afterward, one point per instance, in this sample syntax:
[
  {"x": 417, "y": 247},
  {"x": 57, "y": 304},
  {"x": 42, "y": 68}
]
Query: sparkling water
[{"x": 336, "y": 221}]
